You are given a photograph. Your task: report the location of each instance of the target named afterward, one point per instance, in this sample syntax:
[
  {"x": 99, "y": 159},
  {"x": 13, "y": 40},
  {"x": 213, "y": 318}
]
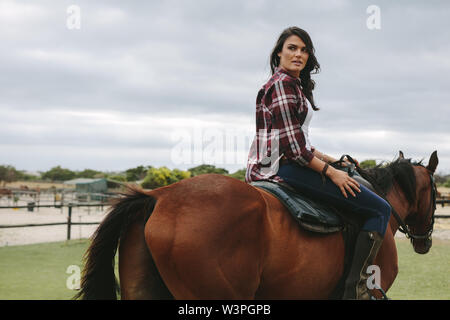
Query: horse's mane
[{"x": 401, "y": 171}]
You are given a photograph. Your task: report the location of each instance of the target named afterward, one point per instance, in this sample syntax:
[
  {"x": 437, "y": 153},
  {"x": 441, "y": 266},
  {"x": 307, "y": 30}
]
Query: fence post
[
  {"x": 62, "y": 201},
  {"x": 69, "y": 221}
]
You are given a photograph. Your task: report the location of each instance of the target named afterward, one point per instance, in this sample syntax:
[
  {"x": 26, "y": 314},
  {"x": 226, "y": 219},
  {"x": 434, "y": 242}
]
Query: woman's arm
[
  {"x": 324, "y": 157},
  {"x": 328, "y": 159},
  {"x": 339, "y": 178}
]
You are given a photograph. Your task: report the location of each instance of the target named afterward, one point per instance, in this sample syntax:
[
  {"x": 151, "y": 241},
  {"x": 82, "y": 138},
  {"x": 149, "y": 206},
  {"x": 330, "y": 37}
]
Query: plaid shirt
[{"x": 281, "y": 109}]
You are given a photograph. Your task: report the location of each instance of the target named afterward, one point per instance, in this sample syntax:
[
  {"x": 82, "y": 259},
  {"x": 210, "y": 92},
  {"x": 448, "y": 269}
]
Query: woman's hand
[
  {"x": 343, "y": 181},
  {"x": 349, "y": 162}
]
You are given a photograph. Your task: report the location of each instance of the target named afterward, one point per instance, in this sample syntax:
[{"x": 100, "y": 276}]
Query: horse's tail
[{"x": 98, "y": 280}]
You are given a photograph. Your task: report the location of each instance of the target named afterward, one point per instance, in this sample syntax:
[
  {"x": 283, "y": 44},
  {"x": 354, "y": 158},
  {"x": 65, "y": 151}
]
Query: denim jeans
[{"x": 366, "y": 203}]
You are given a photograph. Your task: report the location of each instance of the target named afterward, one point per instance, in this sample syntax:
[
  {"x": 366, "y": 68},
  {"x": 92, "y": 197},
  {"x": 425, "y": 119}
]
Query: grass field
[{"x": 39, "y": 271}]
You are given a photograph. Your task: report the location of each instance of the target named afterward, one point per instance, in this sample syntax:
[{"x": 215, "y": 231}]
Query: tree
[
  {"x": 206, "y": 168},
  {"x": 8, "y": 174},
  {"x": 367, "y": 164},
  {"x": 88, "y": 173},
  {"x": 24, "y": 176},
  {"x": 59, "y": 174},
  {"x": 138, "y": 173}
]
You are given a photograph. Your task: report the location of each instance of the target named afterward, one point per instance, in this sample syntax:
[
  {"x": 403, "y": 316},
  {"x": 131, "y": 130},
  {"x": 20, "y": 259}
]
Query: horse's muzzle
[{"x": 422, "y": 246}]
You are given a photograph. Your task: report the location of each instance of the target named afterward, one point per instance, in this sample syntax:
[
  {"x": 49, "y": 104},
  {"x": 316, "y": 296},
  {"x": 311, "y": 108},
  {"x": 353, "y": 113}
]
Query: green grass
[
  {"x": 39, "y": 271},
  {"x": 422, "y": 276}
]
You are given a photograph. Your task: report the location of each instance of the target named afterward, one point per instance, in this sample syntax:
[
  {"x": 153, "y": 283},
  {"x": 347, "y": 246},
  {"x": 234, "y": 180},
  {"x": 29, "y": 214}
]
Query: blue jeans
[{"x": 366, "y": 203}]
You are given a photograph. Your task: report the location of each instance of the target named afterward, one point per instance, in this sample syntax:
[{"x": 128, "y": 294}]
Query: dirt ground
[
  {"x": 30, "y": 235},
  {"x": 41, "y": 185},
  {"x": 444, "y": 190}
]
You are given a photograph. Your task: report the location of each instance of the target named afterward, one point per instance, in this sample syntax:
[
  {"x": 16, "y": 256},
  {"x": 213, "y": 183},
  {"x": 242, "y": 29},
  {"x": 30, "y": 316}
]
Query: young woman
[{"x": 284, "y": 106}]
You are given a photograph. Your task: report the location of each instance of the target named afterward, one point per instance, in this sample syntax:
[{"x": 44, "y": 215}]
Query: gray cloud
[{"x": 193, "y": 59}]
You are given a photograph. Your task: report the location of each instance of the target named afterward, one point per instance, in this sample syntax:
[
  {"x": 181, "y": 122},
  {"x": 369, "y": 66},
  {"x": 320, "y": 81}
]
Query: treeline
[{"x": 148, "y": 176}]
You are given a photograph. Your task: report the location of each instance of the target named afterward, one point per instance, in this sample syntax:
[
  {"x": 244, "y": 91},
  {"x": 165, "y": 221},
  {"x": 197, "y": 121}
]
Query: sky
[{"x": 111, "y": 85}]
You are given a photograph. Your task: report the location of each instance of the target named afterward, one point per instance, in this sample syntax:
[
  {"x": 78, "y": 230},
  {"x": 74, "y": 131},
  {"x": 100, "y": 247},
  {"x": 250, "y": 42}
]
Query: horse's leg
[
  {"x": 387, "y": 261},
  {"x": 139, "y": 278}
]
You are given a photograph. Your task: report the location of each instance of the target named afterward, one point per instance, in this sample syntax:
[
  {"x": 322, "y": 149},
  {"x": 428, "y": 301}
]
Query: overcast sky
[{"x": 174, "y": 83}]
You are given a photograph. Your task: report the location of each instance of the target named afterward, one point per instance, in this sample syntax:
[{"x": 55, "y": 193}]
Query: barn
[
  {"x": 84, "y": 185},
  {"x": 93, "y": 187}
]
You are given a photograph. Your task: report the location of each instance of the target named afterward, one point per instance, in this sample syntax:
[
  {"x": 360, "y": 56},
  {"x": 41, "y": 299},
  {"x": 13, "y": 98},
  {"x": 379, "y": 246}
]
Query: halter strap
[{"x": 403, "y": 228}]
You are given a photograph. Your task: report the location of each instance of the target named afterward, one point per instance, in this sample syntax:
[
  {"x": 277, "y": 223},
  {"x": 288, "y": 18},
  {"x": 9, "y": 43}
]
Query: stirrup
[{"x": 385, "y": 297}]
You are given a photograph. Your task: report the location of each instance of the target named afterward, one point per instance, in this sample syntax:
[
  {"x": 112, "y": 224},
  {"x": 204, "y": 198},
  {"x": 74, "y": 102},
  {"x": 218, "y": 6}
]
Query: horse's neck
[{"x": 400, "y": 203}]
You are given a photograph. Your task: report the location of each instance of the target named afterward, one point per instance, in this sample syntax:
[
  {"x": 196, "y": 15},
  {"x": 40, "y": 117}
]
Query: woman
[{"x": 284, "y": 106}]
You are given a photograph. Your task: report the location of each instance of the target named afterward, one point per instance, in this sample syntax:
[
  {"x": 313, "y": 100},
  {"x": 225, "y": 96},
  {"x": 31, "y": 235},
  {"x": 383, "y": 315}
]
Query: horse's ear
[
  {"x": 433, "y": 162},
  {"x": 400, "y": 155}
]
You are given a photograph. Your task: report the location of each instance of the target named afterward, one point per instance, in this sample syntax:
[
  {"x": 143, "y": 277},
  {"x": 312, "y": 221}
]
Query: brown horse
[{"x": 215, "y": 237}]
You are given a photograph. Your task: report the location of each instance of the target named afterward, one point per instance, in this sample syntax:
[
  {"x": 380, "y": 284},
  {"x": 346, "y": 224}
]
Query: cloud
[{"x": 110, "y": 93}]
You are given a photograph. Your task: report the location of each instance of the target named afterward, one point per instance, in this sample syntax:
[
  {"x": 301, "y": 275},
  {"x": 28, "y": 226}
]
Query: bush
[
  {"x": 240, "y": 174},
  {"x": 117, "y": 178},
  {"x": 163, "y": 176}
]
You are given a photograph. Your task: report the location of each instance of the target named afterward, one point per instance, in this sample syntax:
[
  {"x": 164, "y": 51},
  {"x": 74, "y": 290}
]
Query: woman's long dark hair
[{"x": 312, "y": 65}]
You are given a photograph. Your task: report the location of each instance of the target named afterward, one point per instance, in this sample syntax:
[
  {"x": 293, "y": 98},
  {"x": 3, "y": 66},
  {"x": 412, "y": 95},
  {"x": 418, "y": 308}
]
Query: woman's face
[{"x": 293, "y": 56}]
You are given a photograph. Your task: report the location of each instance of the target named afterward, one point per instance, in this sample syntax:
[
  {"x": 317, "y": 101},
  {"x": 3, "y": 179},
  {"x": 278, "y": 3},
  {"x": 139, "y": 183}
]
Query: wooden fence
[{"x": 69, "y": 222}]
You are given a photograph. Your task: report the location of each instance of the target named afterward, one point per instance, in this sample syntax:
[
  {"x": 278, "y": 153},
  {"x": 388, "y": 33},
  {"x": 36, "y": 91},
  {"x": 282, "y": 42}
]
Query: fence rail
[
  {"x": 69, "y": 222},
  {"x": 442, "y": 201}
]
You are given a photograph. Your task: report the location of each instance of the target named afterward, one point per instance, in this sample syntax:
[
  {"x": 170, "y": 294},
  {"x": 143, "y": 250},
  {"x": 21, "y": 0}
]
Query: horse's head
[{"x": 420, "y": 220}]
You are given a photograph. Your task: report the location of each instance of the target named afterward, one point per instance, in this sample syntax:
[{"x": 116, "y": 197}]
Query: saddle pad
[{"x": 311, "y": 215}]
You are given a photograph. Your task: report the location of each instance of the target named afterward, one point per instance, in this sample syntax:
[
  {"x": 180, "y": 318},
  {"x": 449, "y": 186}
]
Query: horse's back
[{"x": 205, "y": 235}]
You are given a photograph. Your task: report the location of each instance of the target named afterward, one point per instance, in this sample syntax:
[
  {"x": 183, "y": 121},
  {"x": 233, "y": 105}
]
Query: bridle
[{"x": 403, "y": 227}]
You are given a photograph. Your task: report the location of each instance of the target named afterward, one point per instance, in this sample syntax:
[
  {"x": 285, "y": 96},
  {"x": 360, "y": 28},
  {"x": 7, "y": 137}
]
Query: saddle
[{"x": 312, "y": 215}]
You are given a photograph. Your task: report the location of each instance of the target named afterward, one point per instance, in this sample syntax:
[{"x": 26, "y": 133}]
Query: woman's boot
[{"x": 366, "y": 249}]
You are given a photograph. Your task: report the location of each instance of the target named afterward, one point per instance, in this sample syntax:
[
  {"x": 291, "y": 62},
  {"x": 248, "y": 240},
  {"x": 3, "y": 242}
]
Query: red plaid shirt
[{"x": 281, "y": 109}]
